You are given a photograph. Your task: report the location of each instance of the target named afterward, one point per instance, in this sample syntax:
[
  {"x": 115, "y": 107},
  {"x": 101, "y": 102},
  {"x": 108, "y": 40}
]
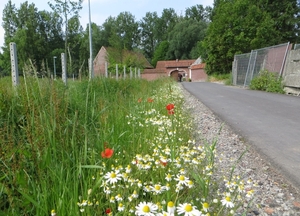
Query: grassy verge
[
  {"x": 107, "y": 147},
  {"x": 224, "y": 78}
]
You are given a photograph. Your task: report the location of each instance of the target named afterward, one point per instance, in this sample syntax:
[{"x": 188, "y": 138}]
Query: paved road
[{"x": 269, "y": 122}]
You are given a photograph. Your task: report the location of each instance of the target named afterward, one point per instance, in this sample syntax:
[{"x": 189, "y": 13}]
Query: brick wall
[
  {"x": 198, "y": 75},
  {"x": 152, "y": 76}
]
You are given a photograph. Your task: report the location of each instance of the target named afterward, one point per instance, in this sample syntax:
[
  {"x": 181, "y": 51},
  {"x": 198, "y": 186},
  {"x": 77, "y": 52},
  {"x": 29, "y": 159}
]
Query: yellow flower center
[
  {"x": 120, "y": 205},
  {"x": 157, "y": 187},
  {"x": 181, "y": 178},
  {"x": 188, "y": 208},
  {"x": 228, "y": 199},
  {"x": 113, "y": 175},
  {"x": 205, "y": 205},
  {"x": 146, "y": 208},
  {"x": 171, "y": 204}
]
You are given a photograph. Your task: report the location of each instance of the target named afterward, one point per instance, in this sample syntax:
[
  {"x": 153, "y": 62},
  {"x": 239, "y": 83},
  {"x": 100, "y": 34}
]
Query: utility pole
[{"x": 91, "y": 47}]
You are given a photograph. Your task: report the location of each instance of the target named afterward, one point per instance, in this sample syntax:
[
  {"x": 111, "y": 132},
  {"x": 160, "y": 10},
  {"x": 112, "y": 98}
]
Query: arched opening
[{"x": 177, "y": 75}]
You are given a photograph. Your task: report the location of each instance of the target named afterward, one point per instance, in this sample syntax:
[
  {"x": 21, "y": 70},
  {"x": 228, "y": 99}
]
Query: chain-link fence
[{"x": 246, "y": 66}]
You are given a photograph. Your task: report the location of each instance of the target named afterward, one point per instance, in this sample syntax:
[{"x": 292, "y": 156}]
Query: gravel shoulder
[{"x": 274, "y": 196}]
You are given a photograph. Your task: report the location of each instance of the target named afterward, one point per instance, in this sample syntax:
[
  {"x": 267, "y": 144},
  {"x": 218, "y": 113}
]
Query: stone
[{"x": 269, "y": 211}]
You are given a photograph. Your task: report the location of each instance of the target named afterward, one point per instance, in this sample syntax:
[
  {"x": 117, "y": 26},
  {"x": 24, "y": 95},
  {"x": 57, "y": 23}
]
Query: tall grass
[{"x": 53, "y": 137}]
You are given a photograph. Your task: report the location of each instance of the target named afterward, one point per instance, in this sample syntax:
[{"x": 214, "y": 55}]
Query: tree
[
  {"x": 148, "y": 26},
  {"x": 198, "y": 12},
  {"x": 9, "y": 25},
  {"x": 127, "y": 31},
  {"x": 237, "y": 27},
  {"x": 165, "y": 24},
  {"x": 184, "y": 37},
  {"x": 161, "y": 52},
  {"x": 98, "y": 41},
  {"x": 66, "y": 9},
  {"x": 10, "y": 20},
  {"x": 286, "y": 15}
]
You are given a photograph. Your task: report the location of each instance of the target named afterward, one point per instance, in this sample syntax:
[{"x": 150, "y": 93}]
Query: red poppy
[
  {"x": 150, "y": 100},
  {"x": 140, "y": 100},
  {"x": 163, "y": 163},
  {"x": 108, "y": 211},
  {"x": 107, "y": 153},
  {"x": 170, "y": 106}
]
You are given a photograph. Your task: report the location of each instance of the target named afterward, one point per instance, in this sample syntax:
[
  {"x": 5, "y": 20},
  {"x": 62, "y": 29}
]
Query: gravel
[{"x": 274, "y": 196}]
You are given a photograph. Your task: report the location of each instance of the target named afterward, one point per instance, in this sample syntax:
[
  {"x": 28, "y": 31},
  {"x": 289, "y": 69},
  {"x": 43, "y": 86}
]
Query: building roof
[
  {"x": 124, "y": 56},
  {"x": 174, "y": 63},
  {"x": 198, "y": 66}
]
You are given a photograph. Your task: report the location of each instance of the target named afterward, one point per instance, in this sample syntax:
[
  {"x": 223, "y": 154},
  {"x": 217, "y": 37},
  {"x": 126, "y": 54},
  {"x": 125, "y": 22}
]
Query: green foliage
[
  {"x": 47, "y": 130},
  {"x": 53, "y": 137},
  {"x": 148, "y": 33},
  {"x": 241, "y": 26},
  {"x": 161, "y": 52},
  {"x": 267, "y": 81},
  {"x": 190, "y": 31}
]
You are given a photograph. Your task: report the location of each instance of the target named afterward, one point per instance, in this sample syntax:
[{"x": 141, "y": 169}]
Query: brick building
[
  {"x": 106, "y": 54},
  {"x": 189, "y": 69}
]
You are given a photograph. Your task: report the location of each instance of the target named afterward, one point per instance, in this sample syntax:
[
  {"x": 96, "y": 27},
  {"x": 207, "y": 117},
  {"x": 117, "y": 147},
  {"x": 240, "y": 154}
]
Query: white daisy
[
  {"x": 190, "y": 184},
  {"x": 157, "y": 189},
  {"x": 227, "y": 202},
  {"x": 118, "y": 197},
  {"x": 128, "y": 169},
  {"x": 188, "y": 210},
  {"x": 182, "y": 180},
  {"x": 205, "y": 206},
  {"x": 113, "y": 177},
  {"x": 168, "y": 177},
  {"x": 121, "y": 207},
  {"x": 146, "y": 209},
  {"x": 135, "y": 194},
  {"x": 171, "y": 208}
]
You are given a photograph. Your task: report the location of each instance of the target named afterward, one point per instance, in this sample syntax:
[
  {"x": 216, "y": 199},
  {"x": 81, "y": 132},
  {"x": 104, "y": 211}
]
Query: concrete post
[
  {"x": 106, "y": 70},
  {"x": 14, "y": 64},
  {"x": 117, "y": 72},
  {"x": 130, "y": 73},
  {"x": 64, "y": 67},
  {"x": 124, "y": 72}
]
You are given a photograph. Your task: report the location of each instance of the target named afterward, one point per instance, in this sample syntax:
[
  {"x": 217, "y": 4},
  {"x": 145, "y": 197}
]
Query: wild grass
[
  {"x": 106, "y": 147},
  {"x": 224, "y": 78}
]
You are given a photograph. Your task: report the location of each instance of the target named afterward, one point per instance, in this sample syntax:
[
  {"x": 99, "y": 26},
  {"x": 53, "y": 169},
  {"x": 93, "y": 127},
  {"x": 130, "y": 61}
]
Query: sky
[{"x": 102, "y": 9}]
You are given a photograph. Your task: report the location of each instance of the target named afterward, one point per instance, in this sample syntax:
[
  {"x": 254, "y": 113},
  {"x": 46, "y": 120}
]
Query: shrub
[{"x": 267, "y": 81}]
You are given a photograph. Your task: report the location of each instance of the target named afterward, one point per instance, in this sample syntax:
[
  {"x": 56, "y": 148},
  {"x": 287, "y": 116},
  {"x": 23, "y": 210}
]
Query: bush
[{"x": 267, "y": 81}]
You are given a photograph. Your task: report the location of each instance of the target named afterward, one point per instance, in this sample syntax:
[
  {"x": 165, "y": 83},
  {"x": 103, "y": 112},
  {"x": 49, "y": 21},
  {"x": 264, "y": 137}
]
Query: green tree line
[{"x": 215, "y": 33}]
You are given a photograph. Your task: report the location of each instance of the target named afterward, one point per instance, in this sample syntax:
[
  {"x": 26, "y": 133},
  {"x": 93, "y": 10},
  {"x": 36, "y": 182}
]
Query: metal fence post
[
  {"x": 283, "y": 62},
  {"x": 14, "y": 64}
]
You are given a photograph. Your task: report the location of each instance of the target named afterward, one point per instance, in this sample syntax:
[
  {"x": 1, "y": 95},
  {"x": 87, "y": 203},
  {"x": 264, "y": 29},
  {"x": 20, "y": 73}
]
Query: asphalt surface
[{"x": 269, "y": 122}]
